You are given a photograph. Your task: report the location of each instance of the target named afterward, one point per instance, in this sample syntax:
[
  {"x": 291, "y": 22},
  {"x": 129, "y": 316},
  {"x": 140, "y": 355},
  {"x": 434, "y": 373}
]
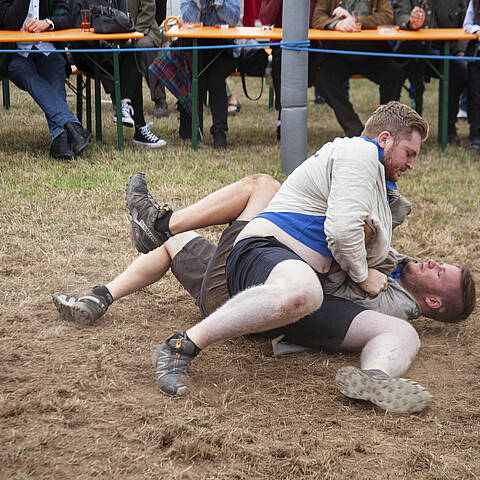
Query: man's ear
[
  {"x": 382, "y": 138},
  {"x": 433, "y": 301}
]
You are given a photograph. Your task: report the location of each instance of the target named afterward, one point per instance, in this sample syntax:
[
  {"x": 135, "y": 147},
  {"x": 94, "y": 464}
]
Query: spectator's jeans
[{"x": 43, "y": 77}]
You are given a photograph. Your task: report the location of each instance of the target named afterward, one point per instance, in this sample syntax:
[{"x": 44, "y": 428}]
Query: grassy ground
[{"x": 82, "y": 403}]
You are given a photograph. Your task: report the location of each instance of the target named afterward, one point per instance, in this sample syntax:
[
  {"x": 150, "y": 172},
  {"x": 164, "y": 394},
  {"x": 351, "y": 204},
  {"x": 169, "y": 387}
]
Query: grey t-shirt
[{"x": 394, "y": 301}]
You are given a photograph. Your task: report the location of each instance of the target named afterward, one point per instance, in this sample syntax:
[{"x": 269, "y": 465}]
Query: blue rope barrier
[
  {"x": 381, "y": 54},
  {"x": 156, "y": 49},
  {"x": 301, "y": 46}
]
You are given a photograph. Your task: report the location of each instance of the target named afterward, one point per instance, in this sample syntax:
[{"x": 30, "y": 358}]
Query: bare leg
[
  {"x": 149, "y": 268},
  {"x": 387, "y": 343},
  {"x": 292, "y": 290},
  {"x": 241, "y": 200}
]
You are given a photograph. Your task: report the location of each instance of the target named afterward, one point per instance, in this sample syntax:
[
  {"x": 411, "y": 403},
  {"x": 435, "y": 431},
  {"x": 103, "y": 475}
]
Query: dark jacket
[
  {"x": 438, "y": 14},
  {"x": 14, "y": 12}
]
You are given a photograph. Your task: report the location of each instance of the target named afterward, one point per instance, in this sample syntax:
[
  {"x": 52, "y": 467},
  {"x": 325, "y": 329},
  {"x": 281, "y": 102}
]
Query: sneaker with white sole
[
  {"x": 127, "y": 115},
  {"x": 81, "y": 308},
  {"x": 399, "y": 395},
  {"x": 145, "y": 137}
]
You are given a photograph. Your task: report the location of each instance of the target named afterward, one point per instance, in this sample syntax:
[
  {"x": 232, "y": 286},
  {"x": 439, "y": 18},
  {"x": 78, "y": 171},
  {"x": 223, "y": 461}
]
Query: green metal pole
[
  {"x": 195, "y": 95},
  {"x": 98, "y": 108},
  {"x": 88, "y": 101},
  {"x": 118, "y": 96},
  {"x": 443, "y": 98},
  {"x": 6, "y": 93},
  {"x": 79, "y": 98}
]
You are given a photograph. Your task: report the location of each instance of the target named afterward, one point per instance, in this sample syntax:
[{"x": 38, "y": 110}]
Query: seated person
[
  {"x": 130, "y": 77},
  {"x": 42, "y": 75},
  {"x": 211, "y": 13},
  {"x": 144, "y": 13},
  {"x": 200, "y": 267},
  {"x": 271, "y": 14},
  {"x": 415, "y": 14},
  {"x": 333, "y": 70}
]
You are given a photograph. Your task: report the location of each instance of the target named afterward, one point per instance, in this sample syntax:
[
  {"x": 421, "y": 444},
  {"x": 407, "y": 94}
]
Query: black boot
[
  {"x": 219, "y": 139},
  {"x": 60, "y": 147},
  {"x": 79, "y": 137}
]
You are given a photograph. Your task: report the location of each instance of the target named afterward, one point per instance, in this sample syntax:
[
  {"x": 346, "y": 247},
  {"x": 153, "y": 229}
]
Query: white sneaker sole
[
  {"x": 399, "y": 395},
  {"x": 126, "y": 122},
  {"x": 159, "y": 144}
]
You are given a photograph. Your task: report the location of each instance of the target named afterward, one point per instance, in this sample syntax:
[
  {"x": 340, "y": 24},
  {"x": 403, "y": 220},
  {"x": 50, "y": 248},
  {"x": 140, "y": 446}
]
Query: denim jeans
[{"x": 43, "y": 77}]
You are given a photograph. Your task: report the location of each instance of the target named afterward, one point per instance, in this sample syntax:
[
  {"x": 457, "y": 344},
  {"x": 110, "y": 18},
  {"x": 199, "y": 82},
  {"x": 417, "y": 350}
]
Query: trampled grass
[{"x": 82, "y": 402}]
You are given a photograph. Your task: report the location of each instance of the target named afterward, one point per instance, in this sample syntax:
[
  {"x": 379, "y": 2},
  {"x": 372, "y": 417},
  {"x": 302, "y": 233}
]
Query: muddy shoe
[
  {"x": 171, "y": 361},
  {"x": 146, "y": 214},
  {"x": 399, "y": 395},
  {"x": 82, "y": 308}
]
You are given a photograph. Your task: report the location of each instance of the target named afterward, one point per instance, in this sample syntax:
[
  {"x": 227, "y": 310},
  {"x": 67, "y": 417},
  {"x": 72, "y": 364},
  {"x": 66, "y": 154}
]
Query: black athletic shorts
[{"x": 250, "y": 264}]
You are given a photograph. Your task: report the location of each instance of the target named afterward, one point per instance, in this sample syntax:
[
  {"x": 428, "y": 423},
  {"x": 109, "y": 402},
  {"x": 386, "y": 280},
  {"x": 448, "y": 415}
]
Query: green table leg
[
  {"x": 118, "y": 96},
  {"x": 88, "y": 102},
  {"x": 79, "y": 98},
  {"x": 98, "y": 108},
  {"x": 443, "y": 98},
  {"x": 6, "y": 93},
  {"x": 195, "y": 96}
]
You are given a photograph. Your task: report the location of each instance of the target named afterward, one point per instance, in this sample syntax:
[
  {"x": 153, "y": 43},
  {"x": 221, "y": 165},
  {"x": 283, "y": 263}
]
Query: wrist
[{"x": 51, "y": 25}]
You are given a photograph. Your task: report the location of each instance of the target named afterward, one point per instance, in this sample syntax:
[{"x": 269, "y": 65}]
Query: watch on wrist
[{"x": 50, "y": 23}]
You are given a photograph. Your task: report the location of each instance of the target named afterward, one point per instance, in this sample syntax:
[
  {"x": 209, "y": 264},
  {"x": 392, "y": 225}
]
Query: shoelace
[
  {"x": 148, "y": 134},
  {"x": 126, "y": 109}
]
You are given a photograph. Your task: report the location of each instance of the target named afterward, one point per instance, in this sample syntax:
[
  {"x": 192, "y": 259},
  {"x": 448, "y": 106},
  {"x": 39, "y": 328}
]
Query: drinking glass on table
[
  {"x": 356, "y": 18},
  {"x": 85, "y": 20}
]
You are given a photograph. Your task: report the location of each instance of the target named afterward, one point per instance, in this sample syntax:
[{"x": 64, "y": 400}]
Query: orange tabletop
[
  {"x": 72, "y": 34},
  {"x": 276, "y": 34}
]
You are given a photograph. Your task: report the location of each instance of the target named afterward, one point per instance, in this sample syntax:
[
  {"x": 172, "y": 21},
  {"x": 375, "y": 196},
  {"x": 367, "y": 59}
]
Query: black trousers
[
  {"x": 130, "y": 78},
  {"x": 213, "y": 81},
  {"x": 416, "y": 70},
  {"x": 474, "y": 101},
  {"x": 334, "y": 70}
]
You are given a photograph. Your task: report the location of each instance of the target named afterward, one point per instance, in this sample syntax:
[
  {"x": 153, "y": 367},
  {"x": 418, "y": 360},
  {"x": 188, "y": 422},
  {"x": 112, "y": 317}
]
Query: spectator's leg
[
  {"x": 131, "y": 86},
  {"x": 332, "y": 74},
  {"x": 458, "y": 80},
  {"x": 276, "y": 77},
  {"x": 157, "y": 90},
  {"x": 24, "y": 72},
  {"x": 216, "y": 75},
  {"x": 387, "y": 74},
  {"x": 474, "y": 105}
]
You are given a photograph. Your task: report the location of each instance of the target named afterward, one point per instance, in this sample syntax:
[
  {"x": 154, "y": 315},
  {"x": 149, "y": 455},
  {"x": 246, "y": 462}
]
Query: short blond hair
[{"x": 398, "y": 119}]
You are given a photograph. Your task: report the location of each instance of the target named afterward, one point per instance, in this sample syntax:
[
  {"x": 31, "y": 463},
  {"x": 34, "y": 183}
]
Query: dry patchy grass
[{"x": 82, "y": 403}]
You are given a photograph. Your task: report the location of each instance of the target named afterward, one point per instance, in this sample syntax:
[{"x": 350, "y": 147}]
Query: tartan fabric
[{"x": 174, "y": 69}]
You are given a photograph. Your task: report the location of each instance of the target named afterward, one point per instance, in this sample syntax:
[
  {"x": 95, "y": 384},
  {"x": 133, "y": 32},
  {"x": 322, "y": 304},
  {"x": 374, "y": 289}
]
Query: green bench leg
[{"x": 6, "y": 93}]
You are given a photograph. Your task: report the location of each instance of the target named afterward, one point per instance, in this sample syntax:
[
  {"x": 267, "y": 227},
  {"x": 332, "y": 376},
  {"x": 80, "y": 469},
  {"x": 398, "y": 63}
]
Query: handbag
[
  {"x": 253, "y": 62},
  {"x": 110, "y": 20}
]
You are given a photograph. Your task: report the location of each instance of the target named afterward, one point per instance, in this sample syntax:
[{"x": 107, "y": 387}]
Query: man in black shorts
[{"x": 200, "y": 267}]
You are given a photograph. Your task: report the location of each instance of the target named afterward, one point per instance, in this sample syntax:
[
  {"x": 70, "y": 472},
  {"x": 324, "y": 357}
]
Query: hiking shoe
[
  {"x": 82, "y": 308},
  {"x": 145, "y": 212},
  {"x": 127, "y": 115},
  {"x": 399, "y": 395},
  {"x": 144, "y": 136},
  {"x": 171, "y": 361}
]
